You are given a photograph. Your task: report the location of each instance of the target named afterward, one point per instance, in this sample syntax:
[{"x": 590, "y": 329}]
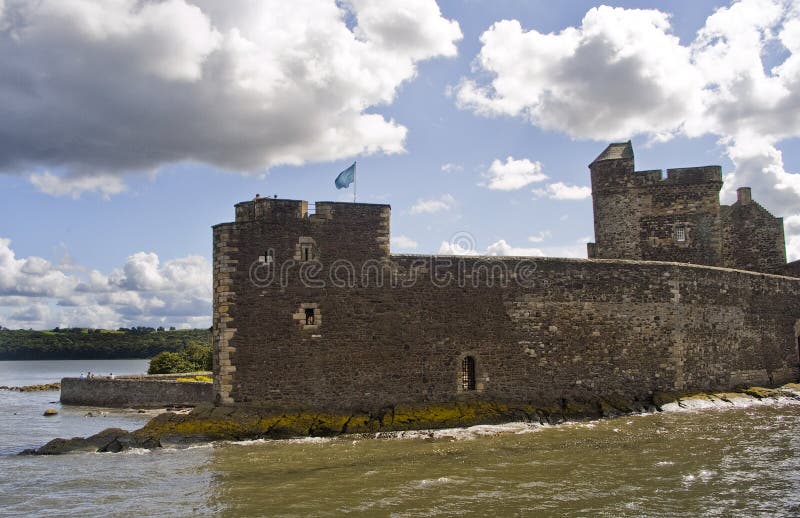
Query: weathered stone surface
[
  {"x": 564, "y": 337},
  {"x": 95, "y": 443},
  {"x": 33, "y": 388},
  {"x": 637, "y": 215},
  {"x": 242, "y": 422},
  {"x": 149, "y": 391}
]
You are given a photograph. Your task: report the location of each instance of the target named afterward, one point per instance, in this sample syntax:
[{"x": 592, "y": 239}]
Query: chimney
[{"x": 744, "y": 195}]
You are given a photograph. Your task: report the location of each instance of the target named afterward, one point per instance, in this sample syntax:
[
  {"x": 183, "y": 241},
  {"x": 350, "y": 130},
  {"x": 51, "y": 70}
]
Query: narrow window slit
[{"x": 468, "y": 373}]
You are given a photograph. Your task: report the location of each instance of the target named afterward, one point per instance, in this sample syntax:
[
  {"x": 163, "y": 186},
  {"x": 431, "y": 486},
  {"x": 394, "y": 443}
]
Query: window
[
  {"x": 268, "y": 257},
  {"x": 468, "y": 373},
  {"x": 680, "y": 234},
  {"x": 306, "y": 249},
  {"x": 308, "y": 316}
]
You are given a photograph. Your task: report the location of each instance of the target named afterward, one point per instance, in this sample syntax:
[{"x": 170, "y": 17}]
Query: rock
[
  {"x": 95, "y": 443},
  {"x": 34, "y": 388},
  {"x": 50, "y": 411},
  {"x": 209, "y": 423}
]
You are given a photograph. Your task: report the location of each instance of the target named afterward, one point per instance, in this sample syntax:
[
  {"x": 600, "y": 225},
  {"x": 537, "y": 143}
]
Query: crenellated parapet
[{"x": 676, "y": 216}]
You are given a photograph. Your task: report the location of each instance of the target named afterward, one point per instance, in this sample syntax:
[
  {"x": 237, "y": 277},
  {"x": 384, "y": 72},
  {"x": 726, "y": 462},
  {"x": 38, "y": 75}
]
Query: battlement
[
  {"x": 312, "y": 312},
  {"x": 694, "y": 175},
  {"x": 270, "y": 208},
  {"x": 675, "y": 215},
  {"x": 278, "y": 209}
]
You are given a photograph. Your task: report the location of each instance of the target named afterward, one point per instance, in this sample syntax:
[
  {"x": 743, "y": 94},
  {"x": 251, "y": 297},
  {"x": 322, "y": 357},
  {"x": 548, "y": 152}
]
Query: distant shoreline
[
  {"x": 33, "y": 388},
  {"x": 95, "y": 344},
  {"x": 75, "y": 359}
]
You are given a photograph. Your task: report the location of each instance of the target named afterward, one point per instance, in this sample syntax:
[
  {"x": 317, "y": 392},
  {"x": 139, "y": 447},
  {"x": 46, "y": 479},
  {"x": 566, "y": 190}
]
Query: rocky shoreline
[
  {"x": 34, "y": 388},
  {"x": 208, "y": 423}
]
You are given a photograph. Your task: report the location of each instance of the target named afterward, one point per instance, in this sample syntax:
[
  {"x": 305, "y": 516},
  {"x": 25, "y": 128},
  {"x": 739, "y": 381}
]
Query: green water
[
  {"x": 739, "y": 461},
  {"x": 715, "y": 463}
]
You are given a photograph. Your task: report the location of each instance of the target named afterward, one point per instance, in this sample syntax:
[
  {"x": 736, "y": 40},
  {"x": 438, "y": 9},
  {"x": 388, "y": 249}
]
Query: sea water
[{"x": 715, "y": 461}]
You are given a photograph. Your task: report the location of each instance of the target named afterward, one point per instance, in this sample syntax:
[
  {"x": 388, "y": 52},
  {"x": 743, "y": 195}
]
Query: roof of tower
[{"x": 616, "y": 151}]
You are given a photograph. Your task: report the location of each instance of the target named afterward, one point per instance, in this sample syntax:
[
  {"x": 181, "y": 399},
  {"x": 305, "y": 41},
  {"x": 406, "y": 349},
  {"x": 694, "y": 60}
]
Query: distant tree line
[{"x": 91, "y": 344}]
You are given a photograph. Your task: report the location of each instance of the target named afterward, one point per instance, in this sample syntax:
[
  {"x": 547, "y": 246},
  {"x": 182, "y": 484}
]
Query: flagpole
[{"x": 355, "y": 181}]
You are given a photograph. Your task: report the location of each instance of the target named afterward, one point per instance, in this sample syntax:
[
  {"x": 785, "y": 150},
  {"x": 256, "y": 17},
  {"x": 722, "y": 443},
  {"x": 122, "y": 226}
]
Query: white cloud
[
  {"x": 402, "y": 242},
  {"x": 501, "y": 247},
  {"x": 791, "y": 226},
  {"x": 34, "y": 313},
  {"x": 456, "y": 248},
  {"x": 452, "y": 168},
  {"x": 48, "y": 183},
  {"x": 540, "y": 237},
  {"x": 240, "y": 85},
  {"x": 621, "y": 73},
  {"x": 31, "y": 277},
  {"x": 513, "y": 174},
  {"x": 36, "y": 293},
  {"x": 562, "y": 191},
  {"x": 576, "y": 250},
  {"x": 433, "y": 205}
]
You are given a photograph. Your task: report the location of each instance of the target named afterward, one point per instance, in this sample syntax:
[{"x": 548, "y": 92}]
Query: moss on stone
[
  {"x": 208, "y": 423},
  {"x": 579, "y": 409},
  {"x": 361, "y": 423},
  {"x": 663, "y": 398},
  {"x": 761, "y": 392},
  {"x": 195, "y": 379}
]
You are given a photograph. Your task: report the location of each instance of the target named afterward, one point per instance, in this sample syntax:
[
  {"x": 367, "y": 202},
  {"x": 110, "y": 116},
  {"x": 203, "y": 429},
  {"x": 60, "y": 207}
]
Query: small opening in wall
[
  {"x": 468, "y": 373},
  {"x": 680, "y": 234},
  {"x": 268, "y": 257},
  {"x": 309, "y": 316}
]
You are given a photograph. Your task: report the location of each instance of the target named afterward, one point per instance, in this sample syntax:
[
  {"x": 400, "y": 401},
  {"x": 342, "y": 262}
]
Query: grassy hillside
[{"x": 86, "y": 344}]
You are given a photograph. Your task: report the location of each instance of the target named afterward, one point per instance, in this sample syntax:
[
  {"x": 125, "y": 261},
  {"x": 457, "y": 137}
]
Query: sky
[{"x": 129, "y": 127}]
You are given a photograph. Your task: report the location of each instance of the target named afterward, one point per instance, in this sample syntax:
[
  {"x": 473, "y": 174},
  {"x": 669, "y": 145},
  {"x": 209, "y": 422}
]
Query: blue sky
[{"x": 131, "y": 128}]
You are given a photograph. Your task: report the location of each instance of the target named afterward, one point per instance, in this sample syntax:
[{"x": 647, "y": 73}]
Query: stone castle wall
[
  {"x": 350, "y": 327},
  {"x": 753, "y": 238},
  {"x": 638, "y": 215},
  {"x": 134, "y": 392},
  {"x": 791, "y": 269}
]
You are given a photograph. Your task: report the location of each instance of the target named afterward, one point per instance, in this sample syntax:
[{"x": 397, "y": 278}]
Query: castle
[
  {"x": 313, "y": 312},
  {"x": 641, "y": 216}
]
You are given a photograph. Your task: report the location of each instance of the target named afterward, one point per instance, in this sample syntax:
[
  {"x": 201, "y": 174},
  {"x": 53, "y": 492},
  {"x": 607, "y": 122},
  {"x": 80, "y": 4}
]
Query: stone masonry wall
[
  {"x": 615, "y": 210},
  {"x": 753, "y": 238},
  {"x": 134, "y": 393},
  {"x": 639, "y": 215},
  {"x": 791, "y": 269},
  {"x": 357, "y": 329}
]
